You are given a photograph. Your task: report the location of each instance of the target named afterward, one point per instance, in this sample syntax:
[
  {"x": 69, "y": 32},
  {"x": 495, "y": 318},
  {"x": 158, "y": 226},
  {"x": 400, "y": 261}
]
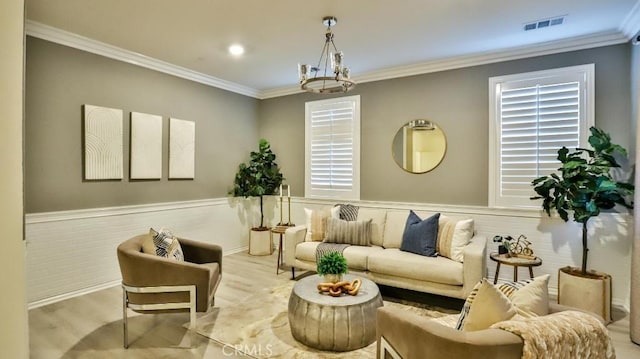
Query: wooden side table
[
  {"x": 279, "y": 230},
  {"x": 515, "y": 262}
]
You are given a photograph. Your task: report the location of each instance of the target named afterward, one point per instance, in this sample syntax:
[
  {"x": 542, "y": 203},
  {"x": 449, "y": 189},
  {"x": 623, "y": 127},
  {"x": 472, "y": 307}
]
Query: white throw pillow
[
  {"x": 453, "y": 236},
  {"x": 484, "y": 306}
]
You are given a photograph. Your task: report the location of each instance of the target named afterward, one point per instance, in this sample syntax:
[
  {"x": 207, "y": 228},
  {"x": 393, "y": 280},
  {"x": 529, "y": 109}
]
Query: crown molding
[
  {"x": 50, "y": 33},
  {"x": 630, "y": 26},
  {"x": 573, "y": 44}
]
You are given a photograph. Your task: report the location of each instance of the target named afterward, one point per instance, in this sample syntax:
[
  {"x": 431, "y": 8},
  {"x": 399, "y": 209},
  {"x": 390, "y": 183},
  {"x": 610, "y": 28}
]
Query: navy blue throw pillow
[{"x": 420, "y": 236}]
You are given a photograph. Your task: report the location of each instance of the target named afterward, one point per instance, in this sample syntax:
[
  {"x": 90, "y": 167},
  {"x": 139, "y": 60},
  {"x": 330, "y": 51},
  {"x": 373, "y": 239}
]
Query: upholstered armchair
[
  {"x": 404, "y": 335},
  {"x": 153, "y": 284}
]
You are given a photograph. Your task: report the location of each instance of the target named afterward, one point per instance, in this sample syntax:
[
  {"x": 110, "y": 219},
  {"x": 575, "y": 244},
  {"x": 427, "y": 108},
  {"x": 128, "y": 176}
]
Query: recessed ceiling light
[{"x": 236, "y": 50}]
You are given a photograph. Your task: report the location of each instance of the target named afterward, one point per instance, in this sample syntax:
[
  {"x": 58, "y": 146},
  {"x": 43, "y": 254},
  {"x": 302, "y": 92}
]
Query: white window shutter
[
  {"x": 533, "y": 116},
  {"x": 333, "y": 148}
]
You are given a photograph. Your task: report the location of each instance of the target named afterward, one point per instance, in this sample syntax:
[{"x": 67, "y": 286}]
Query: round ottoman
[{"x": 333, "y": 323}]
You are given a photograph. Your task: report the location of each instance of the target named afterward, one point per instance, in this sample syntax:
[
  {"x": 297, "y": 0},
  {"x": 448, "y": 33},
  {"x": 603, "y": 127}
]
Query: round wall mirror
[{"x": 419, "y": 146}]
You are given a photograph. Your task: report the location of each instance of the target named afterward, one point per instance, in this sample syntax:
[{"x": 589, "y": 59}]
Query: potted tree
[
  {"x": 261, "y": 177},
  {"x": 585, "y": 187},
  {"x": 332, "y": 266}
]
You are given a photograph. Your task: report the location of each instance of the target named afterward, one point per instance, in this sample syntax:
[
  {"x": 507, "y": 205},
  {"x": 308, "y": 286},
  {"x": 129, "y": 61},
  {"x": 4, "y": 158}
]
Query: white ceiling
[{"x": 375, "y": 35}]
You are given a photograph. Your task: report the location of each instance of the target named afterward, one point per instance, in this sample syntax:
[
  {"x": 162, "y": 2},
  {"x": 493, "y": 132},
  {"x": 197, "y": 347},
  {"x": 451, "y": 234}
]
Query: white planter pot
[
  {"x": 260, "y": 243},
  {"x": 591, "y": 293}
]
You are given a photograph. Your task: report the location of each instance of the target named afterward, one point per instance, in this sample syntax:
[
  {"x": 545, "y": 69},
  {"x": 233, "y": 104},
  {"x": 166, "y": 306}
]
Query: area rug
[{"x": 259, "y": 327}]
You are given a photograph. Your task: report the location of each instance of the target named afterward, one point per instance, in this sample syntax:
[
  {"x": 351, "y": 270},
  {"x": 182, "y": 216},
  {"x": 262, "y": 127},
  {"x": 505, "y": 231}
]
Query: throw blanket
[
  {"x": 324, "y": 248},
  {"x": 569, "y": 334}
]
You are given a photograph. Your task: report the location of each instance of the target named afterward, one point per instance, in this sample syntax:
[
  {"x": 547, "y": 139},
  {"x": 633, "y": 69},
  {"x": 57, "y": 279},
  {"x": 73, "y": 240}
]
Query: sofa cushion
[
  {"x": 378, "y": 218},
  {"x": 408, "y": 265},
  {"x": 317, "y": 222},
  {"x": 453, "y": 236},
  {"x": 485, "y": 306},
  {"x": 356, "y": 256},
  {"x": 357, "y": 233},
  {"x": 419, "y": 235}
]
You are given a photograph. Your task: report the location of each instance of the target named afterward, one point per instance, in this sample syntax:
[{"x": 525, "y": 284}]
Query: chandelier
[{"x": 330, "y": 75}]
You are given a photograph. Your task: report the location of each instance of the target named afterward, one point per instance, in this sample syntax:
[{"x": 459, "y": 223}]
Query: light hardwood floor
[{"x": 90, "y": 326}]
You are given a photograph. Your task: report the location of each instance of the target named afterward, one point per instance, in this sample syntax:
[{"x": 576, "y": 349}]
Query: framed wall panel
[
  {"x": 146, "y": 146},
  {"x": 103, "y": 143},
  {"x": 182, "y": 140}
]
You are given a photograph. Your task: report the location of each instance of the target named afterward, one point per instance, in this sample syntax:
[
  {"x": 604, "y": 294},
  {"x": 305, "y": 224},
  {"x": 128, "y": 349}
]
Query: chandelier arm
[{"x": 325, "y": 50}]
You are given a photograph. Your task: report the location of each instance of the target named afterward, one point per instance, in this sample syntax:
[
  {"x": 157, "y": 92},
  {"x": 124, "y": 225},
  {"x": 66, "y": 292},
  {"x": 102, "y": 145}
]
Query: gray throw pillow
[
  {"x": 348, "y": 212},
  {"x": 357, "y": 233},
  {"x": 420, "y": 236}
]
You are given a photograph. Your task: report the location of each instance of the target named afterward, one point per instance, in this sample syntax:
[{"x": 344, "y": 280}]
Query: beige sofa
[{"x": 384, "y": 263}]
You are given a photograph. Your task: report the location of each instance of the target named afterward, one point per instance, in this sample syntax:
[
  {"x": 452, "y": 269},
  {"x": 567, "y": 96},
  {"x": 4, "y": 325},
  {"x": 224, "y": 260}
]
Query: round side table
[
  {"x": 333, "y": 323},
  {"x": 515, "y": 262}
]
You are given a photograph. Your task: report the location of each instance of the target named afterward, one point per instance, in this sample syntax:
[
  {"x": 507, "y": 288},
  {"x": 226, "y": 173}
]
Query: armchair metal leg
[
  {"x": 124, "y": 318},
  {"x": 191, "y": 305},
  {"x": 293, "y": 273},
  {"x": 385, "y": 348}
]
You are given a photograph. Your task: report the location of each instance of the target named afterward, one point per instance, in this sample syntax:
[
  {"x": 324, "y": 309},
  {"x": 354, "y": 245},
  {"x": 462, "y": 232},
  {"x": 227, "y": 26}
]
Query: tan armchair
[
  {"x": 404, "y": 335},
  {"x": 153, "y": 284}
]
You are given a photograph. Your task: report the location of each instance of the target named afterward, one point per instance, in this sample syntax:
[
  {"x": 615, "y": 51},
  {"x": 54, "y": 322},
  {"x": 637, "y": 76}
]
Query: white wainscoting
[
  {"x": 74, "y": 252},
  {"x": 558, "y": 243}
]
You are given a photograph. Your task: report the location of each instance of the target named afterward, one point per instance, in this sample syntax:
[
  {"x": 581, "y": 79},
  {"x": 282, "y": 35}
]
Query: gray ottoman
[{"x": 333, "y": 323}]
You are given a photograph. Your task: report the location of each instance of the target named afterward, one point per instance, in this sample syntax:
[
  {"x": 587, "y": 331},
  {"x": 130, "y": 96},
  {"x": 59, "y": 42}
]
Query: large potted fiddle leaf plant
[
  {"x": 583, "y": 187},
  {"x": 260, "y": 177}
]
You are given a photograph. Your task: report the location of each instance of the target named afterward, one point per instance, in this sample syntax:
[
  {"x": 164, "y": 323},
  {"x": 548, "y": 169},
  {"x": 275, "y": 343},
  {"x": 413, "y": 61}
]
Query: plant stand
[
  {"x": 591, "y": 292},
  {"x": 260, "y": 243}
]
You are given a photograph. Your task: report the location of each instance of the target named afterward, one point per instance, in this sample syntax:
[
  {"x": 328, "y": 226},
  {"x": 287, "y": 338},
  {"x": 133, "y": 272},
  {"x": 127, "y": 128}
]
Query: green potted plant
[
  {"x": 332, "y": 266},
  {"x": 260, "y": 177},
  {"x": 585, "y": 187}
]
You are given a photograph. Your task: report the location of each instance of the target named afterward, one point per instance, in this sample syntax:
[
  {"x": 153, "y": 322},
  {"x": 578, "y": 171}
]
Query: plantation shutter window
[
  {"x": 532, "y": 116},
  {"x": 333, "y": 148}
]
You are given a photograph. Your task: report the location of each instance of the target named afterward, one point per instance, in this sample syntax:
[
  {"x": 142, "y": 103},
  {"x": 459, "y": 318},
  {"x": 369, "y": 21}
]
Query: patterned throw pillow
[
  {"x": 419, "y": 235},
  {"x": 485, "y": 306},
  {"x": 348, "y": 212},
  {"x": 317, "y": 222},
  {"x": 530, "y": 297},
  {"x": 453, "y": 236},
  {"x": 357, "y": 233},
  {"x": 165, "y": 244}
]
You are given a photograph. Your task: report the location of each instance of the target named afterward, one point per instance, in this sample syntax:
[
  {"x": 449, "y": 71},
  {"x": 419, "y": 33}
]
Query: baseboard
[
  {"x": 75, "y": 293},
  {"x": 236, "y": 250}
]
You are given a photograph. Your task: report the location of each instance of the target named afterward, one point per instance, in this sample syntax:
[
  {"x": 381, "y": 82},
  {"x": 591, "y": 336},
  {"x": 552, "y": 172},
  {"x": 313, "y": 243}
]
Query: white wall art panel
[
  {"x": 182, "y": 143},
  {"x": 146, "y": 146},
  {"x": 102, "y": 143}
]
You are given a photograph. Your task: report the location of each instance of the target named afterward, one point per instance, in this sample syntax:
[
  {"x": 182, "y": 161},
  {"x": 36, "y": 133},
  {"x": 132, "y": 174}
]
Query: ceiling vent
[{"x": 539, "y": 24}]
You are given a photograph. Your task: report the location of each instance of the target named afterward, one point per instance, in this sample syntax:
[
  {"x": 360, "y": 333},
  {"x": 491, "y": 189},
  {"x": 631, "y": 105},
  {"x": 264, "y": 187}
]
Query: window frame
[
  {"x": 585, "y": 75},
  {"x": 354, "y": 194}
]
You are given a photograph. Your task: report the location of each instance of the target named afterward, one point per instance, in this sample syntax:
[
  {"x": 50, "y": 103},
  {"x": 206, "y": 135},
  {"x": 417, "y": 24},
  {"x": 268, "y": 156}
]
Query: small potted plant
[{"x": 332, "y": 266}]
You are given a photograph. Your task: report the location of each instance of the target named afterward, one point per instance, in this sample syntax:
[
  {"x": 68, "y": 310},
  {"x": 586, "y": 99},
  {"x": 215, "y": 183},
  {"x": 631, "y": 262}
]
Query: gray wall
[
  {"x": 59, "y": 80},
  {"x": 458, "y": 101}
]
